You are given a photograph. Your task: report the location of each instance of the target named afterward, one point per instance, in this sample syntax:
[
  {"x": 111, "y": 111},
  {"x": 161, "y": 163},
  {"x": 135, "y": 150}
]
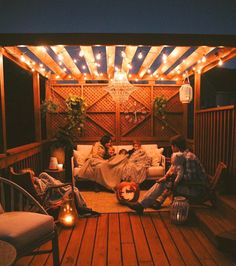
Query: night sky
[{"x": 109, "y": 16}]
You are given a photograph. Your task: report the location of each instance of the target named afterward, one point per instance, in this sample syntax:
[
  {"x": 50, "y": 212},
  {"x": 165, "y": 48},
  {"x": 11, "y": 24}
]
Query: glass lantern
[
  {"x": 179, "y": 210},
  {"x": 67, "y": 214}
]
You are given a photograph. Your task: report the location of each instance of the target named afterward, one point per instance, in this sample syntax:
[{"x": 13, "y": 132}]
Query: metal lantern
[
  {"x": 186, "y": 92},
  {"x": 67, "y": 213},
  {"x": 179, "y": 210}
]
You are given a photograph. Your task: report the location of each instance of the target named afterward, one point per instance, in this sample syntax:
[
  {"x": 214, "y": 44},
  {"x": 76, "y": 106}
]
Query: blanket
[{"x": 109, "y": 173}]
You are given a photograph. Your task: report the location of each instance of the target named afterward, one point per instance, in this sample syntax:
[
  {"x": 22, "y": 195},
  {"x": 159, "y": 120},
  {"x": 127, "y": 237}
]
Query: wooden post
[
  {"x": 3, "y": 149},
  {"x": 37, "y": 114},
  {"x": 197, "y": 94}
]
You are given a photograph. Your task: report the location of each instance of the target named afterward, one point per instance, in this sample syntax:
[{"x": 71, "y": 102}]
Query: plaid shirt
[{"x": 189, "y": 169}]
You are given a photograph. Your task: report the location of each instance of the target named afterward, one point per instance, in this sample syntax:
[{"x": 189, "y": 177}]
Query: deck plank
[
  {"x": 157, "y": 251},
  {"x": 130, "y": 240},
  {"x": 141, "y": 246},
  {"x": 63, "y": 240},
  {"x": 129, "y": 257},
  {"x": 197, "y": 247},
  {"x": 71, "y": 253},
  {"x": 216, "y": 254},
  {"x": 172, "y": 252},
  {"x": 86, "y": 250},
  {"x": 114, "y": 248},
  {"x": 183, "y": 246},
  {"x": 100, "y": 247}
]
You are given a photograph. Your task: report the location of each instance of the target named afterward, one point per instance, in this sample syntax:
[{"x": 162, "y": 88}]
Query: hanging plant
[
  {"x": 159, "y": 109},
  {"x": 76, "y": 112},
  {"x": 48, "y": 106}
]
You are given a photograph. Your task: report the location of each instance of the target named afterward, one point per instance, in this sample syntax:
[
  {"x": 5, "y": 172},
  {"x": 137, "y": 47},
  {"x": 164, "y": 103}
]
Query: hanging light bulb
[
  {"x": 81, "y": 53},
  {"x": 98, "y": 56},
  {"x": 220, "y": 63},
  {"x": 204, "y": 59},
  {"x": 140, "y": 55},
  {"x": 164, "y": 58},
  {"x": 186, "y": 91},
  {"x": 123, "y": 54}
]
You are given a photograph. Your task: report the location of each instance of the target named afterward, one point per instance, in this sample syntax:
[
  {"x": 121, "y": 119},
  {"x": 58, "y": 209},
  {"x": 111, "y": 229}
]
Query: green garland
[{"x": 159, "y": 109}]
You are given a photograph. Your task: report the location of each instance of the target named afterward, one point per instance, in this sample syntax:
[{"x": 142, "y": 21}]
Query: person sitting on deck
[
  {"x": 44, "y": 181},
  {"x": 186, "y": 177}
]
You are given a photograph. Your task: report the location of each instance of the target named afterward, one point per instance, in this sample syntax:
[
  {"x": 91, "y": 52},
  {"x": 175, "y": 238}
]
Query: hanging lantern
[
  {"x": 127, "y": 191},
  {"x": 186, "y": 92},
  {"x": 67, "y": 213},
  {"x": 179, "y": 210}
]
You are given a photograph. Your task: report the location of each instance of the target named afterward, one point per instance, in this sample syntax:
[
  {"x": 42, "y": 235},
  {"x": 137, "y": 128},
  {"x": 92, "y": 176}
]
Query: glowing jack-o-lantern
[
  {"x": 127, "y": 192},
  {"x": 67, "y": 213}
]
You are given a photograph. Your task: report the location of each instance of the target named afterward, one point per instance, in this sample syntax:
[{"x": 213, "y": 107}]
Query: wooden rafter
[
  {"x": 110, "y": 53},
  {"x": 17, "y": 53},
  {"x": 90, "y": 60},
  {"x": 149, "y": 59},
  {"x": 172, "y": 58},
  {"x": 47, "y": 60},
  {"x": 67, "y": 60},
  {"x": 130, "y": 52},
  {"x": 192, "y": 59}
]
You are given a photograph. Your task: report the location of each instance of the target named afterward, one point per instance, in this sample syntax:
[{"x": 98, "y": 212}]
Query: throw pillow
[
  {"x": 155, "y": 154},
  {"x": 79, "y": 158}
]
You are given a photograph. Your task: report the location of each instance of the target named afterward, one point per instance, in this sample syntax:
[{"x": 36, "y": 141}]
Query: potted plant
[{"x": 159, "y": 109}]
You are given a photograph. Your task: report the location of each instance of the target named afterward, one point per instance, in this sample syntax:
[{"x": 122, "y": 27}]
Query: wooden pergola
[
  {"x": 157, "y": 64},
  {"x": 151, "y": 61}
]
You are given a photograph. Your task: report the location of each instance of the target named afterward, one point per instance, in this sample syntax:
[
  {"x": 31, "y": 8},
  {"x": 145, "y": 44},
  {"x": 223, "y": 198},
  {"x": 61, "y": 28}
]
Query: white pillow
[
  {"x": 79, "y": 158},
  {"x": 85, "y": 150},
  {"x": 155, "y": 154}
]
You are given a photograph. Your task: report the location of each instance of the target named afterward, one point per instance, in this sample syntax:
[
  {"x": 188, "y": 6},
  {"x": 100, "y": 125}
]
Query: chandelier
[{"x": 120, "y": 88}]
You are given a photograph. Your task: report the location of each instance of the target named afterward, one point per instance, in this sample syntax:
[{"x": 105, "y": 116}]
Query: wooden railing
[
  {"x": 215, "y": 139},
  {"x": 33, "y": 156}
]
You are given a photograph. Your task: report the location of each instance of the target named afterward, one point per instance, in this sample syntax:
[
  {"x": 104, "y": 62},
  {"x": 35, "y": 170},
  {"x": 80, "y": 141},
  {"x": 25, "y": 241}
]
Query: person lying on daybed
[
  {"x": 44, "y": 181},
  {"x": 109, "y": 172}
]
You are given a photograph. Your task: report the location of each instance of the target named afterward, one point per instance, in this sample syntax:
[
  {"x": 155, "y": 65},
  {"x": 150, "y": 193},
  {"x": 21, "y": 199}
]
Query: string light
[
  {"x": 75, "y": 60},
  {"x": 123, "y": 54},
  {"x": 164, "y": 58},
  {"x": 220, "y": 63},
  {"x": 204, "y": 59},
  {"x": 140, "y": 55},
  {"x": 81, "y": 53},
  {"x": 129, "y": 66},
  {"x": 60, "y": 57},
  {"x": 98, "y": 56}
]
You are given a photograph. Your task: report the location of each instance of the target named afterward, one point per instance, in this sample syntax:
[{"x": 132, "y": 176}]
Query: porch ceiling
[{"x": 163, "y": 63}]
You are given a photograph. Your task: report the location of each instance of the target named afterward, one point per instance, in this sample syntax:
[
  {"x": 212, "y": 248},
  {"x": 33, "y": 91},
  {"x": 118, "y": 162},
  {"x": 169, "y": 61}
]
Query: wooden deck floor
[{"x": 129, "y": 239}]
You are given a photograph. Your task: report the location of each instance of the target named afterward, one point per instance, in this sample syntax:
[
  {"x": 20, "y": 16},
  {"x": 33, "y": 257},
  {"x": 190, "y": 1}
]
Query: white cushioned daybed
[{"x": 155, "y": 171}]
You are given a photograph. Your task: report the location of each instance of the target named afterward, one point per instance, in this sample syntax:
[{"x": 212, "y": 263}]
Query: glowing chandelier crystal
[{"x": 120, "y": 88}]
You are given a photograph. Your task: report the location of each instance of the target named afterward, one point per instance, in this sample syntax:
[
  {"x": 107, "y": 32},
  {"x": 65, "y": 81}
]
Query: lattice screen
[{"x": 133, "y": 119}]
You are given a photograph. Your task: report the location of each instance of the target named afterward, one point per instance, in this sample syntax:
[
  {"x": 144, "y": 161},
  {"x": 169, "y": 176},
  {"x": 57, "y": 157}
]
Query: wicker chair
[{"x": 24, "y": 229}]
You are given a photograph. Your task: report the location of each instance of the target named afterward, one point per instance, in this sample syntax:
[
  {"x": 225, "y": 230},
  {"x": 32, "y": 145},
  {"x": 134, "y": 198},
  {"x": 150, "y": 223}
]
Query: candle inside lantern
[
  {"x": 60, "y": 166},
  {"x": 68, "y": 220},
  {"x": 67, "y": 213}
]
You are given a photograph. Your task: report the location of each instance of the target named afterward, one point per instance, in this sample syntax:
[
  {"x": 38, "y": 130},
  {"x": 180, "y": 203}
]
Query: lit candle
[
  {"x": 68, "y": 220},
  {"x": 60, "y": 166}
]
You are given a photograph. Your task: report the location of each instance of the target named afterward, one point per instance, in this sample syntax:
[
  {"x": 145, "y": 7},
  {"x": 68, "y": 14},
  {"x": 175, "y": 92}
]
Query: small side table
[
  {"x": 58, "y": 174},
  {"x": 7, "y": 253}
]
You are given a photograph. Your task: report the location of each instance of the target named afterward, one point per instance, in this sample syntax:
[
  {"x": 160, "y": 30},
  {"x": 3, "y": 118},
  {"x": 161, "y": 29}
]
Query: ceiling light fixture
[{"x": 119, "y": 88}]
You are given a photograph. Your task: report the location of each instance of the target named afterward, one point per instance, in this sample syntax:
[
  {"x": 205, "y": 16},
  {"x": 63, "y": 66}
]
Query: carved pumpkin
[{"x": 127, "y": 192}]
